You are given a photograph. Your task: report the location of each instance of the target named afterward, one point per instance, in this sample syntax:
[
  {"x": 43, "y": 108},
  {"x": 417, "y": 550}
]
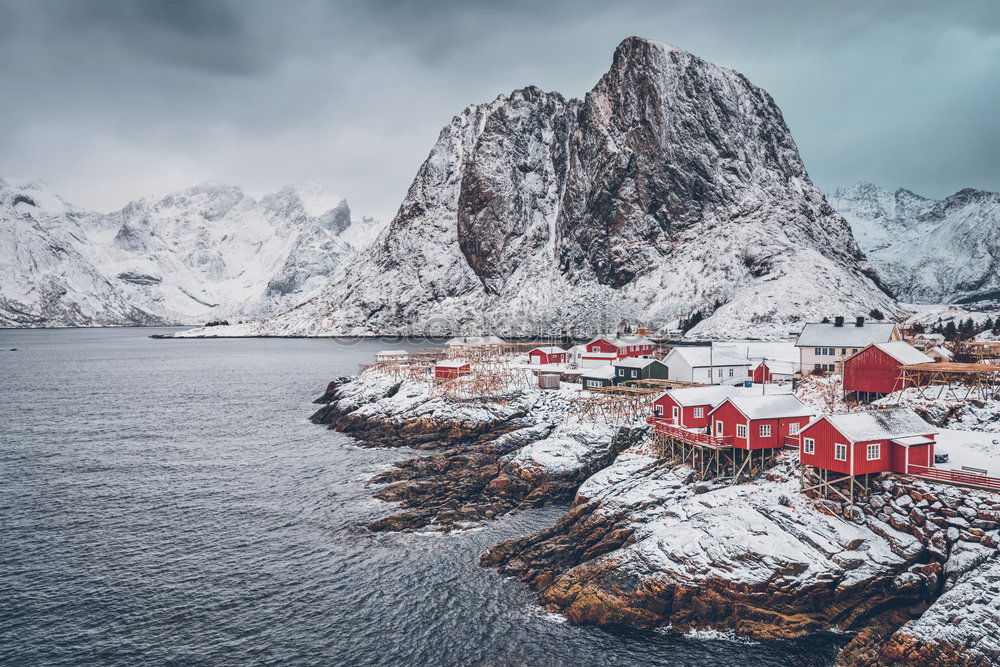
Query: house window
[
  {"x": 820, "y": 351},
  {"x": 635, "y": 374},
  {"x": 621, "y": 372},
  {"x": 793, "y": 428},
  {"x": 699, "y": 413},
  {"x": 741, "y": 430},
  {"x": 843, "y": 351},
  {"x": 676, "y": 414},
  {"x": 840, "y": 452},
  {"x": 809, "y": 446},
  {"x": 720, "y": 372},
  {"x": 874, "y": 451},
  {"x": 765, "y": 430},
  {"x": 731, "y": 372},
  {"x": 659, "y": 410},
  {"x": 718, "y": 429}
]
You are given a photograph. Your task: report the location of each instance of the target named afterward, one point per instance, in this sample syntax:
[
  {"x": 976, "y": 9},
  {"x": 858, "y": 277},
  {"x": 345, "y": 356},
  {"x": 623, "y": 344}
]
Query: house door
[
  {"x": 676, "y": 413},
  {"x": 718, "y": 429}
]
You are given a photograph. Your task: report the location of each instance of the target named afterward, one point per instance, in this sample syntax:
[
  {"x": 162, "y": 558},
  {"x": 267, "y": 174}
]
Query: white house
[
  {"x": 824, "y": 346},
  {"x": 706, "y": 365}
]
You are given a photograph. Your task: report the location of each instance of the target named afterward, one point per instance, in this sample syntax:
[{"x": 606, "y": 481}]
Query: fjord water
[{"x": 168, "y": 501}]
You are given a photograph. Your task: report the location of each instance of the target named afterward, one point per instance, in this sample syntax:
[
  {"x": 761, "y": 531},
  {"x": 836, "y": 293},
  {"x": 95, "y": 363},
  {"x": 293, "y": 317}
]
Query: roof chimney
[
  {"x": 860, "y": 322},
  {"x": 838, "y": 321}
]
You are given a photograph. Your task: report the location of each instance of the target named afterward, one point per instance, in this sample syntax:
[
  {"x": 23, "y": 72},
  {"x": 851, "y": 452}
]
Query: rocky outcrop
[{"x": 645, "y": 547}]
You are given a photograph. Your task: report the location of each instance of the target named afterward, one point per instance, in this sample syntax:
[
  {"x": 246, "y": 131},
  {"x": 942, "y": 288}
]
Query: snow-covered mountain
[
  {"x": 204, "y": 253},
  {"x": 674, "y": 186},
  {"x": 928, "y": 251}
]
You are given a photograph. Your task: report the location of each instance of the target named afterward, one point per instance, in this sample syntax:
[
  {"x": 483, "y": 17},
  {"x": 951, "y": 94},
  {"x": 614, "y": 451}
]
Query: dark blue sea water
[{"x": 168, "y": 502}]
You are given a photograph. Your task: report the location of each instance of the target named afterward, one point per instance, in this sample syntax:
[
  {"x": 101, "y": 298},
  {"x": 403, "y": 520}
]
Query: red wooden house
[
  {"x": 760, "y": 374},
  {"x": 689, "y": 406},
  {"x": 876, "y": 368},
  {"x": 621, "y": 347},
  {"x": 861, "y": 443},
  {"x": 449, "y": 369},
  {"x": 548, "y": 355},
  {"x": 759, "y": 422}
]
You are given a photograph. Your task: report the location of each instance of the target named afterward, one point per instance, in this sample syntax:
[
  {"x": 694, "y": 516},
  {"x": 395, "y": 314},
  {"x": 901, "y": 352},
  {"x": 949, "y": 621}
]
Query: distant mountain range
[
  {"x": 674, "y": 188},
  {"x": 928, "y": 250},
  {"x": 209, "y": 252}
]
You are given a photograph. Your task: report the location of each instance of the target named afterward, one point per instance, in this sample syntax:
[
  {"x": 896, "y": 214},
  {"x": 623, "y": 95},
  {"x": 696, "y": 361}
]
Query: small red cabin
[
  {"x": 759, "y": 422},
  {"x": 688, "y": 407},
  {"x": 875, "y": 441},
  {"x": 876, "y": 369},
  {"x": 760, "y": 374},
  {"x": 548, "y": 355},
  {"x": 450, "y": 369}
]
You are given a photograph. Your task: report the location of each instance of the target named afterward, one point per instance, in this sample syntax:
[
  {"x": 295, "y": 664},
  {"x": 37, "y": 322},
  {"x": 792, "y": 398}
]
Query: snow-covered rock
[
  {"x": 926, "y": 250},
  {"x": 209, "y": 252},
  {"x": 674, "y": 186}
]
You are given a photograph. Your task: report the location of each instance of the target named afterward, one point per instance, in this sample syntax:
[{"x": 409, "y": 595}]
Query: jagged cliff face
[
  {"x": 928, "y": 251},
  {"x": 206, "y": 252},
  {"x": 673, "y": 186}
]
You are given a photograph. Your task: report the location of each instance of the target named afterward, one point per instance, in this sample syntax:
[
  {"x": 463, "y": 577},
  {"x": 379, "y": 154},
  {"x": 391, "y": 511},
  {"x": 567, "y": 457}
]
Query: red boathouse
[
  {"x": 875, "y": 370},
  {"x": 759, "y": 422},
  {"x": 688, "y": 407},
  {"x": 621, "y": 347},
  {"x": 449, "y": 369},
  {"x": 547, "y": 355}
]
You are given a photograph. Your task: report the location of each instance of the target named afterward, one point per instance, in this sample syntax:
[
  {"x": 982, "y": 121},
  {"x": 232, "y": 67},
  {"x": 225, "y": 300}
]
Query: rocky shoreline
[{"x": 643, "y": 545}]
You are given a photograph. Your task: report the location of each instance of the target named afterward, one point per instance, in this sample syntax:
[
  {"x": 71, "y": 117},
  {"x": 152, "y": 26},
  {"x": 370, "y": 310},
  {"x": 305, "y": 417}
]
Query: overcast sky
[{"x": 109, "y": 101}]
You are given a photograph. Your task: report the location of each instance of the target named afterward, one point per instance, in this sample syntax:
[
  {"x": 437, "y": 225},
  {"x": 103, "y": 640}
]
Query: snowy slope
[
  {"x": 672, "y": 186},
  {"x": 928, "y": 251},
  {"x": 207, "y": 252}
]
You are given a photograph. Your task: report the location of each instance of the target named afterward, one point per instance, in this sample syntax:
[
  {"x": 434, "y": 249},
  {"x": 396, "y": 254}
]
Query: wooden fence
[{"x": 956, "y": 477}]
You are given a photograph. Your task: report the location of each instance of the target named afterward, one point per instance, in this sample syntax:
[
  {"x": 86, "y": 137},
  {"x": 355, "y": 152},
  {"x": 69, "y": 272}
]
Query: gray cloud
[{"x": 113, "y": 99}]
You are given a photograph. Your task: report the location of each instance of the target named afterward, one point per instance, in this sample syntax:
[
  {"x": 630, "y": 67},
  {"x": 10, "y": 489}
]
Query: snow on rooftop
[
  {"x": 817, "y": 334},
  {"x": 549, "y": 349},
  {"x": 771, "y": 407},
  {"x": 601, "y": 372},
  {"x": 903, "y": 352},
  {"x": 887, "y": 424},
  {"x": 635, "y": 362},
  {"x": 391, "y": 353},
  {"x": 452, "y": 363},
  {"x": 705, "y": 356},
  {"x": 712, "y": 395}
]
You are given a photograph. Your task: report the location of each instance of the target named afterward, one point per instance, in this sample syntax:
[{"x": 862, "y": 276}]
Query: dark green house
[
  {"x": 597, "y": 378},
  {"x": 632, "y": 369}
]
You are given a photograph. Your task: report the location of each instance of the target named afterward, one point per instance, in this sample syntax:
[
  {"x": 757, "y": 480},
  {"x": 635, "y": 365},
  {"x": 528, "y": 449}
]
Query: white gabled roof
[
  {"x": 549, "y": 349},
  {"x": 913, "y": 441},
  {"x": 904, "y": 353},
  {"x": 711, "y": 395},
  {"x": 622, "y": 341},
  {"x": 818, "y": 334},
  {"x": 391, "y": 353},
  {"x": 600, "y": 355},
  {"x": 775, "y": 406},
  {"x": 600, "y": 373},
  {"x": 452, "y": 363},
  {"x": 705, "y": 356},
  {"x": 636, "y": 362},
  {"x": 887, "y": 424},
  {"x": 780, "y": 367},
  {"x": 944, "y": 352}
]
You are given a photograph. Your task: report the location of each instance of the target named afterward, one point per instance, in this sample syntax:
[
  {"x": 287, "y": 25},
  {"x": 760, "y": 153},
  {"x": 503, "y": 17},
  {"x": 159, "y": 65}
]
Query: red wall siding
[
  {"x": 545, "y": 358},
  {"x": 825, "y": 436},
  {"x": 601, "y": 345},
  {"x": 691, "y": 421},
  {"x": 871, "y": 370},
  {"x": 449, "y": 372},
  {"x": 730, "y": 417},
  {"x": 761, "y": 374},
  {"x": 863, "y": 466},
  {"x": 920, "y": 455},
  {"x": 668, "y": 404}
]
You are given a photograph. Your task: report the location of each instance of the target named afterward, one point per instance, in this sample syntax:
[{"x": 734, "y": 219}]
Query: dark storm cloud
[{"x": 109, "y": 100}]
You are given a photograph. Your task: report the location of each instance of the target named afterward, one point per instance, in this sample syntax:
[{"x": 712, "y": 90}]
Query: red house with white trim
[
  {"x": 861, "y": 443},
  {"x": 548, "y": 355},
  {"x": 875, "y": 369},
  {"x": 759, "y": 422},
  {"x": 449, "y": 369},
  {"x": 688, "y": 407}
]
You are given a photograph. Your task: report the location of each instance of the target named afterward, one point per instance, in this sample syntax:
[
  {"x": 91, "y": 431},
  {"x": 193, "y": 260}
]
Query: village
[{"x": 845, "y": 394}]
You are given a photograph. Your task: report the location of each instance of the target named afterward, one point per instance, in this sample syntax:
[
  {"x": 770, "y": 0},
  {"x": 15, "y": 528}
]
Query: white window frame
[
  {"x": 819, "y": 351},
  {"x": 793, "y": 428},
  {"x": 838, "y": 447},
  {"x": 765, "y": 430},
  {"x": 808, "y": 446},
  {"x": 635, "y": 374},
  {"x": 699, "y": 413},
  {"x": 659, "y": 410},
  {"x": 741, "y": 431},
  {"x": 676, "y": 413},
  {"x": 719, "y": 430},
  {"x": 877, "y": 450}
]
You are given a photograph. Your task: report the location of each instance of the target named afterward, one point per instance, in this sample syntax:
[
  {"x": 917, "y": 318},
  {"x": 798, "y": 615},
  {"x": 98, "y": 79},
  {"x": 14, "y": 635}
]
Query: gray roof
[
  {"x": 775, "y": 406},
  {"x": 904, "y": 353},
  {"x": 887, "y": 424},
  {"x": 849, "y": 335},
  {"x": 636, "y": 362}
]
